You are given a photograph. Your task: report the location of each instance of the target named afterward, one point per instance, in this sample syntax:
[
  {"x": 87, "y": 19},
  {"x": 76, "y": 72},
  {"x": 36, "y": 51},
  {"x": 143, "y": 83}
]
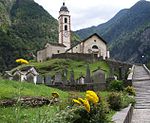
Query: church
[{"x": 93, "y": 44}]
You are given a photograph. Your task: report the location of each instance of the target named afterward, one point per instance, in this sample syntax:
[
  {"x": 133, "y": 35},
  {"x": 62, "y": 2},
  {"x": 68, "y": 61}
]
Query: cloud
[{"x": 86, "y": 13}]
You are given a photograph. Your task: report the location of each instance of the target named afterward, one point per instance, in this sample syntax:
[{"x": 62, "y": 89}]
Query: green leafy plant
[
  {"x": 116, "y": 85},
  {"x": 114, "y": 99},
  {"x": 130, "y": 90},
  {"x": 89, "y": 110}
]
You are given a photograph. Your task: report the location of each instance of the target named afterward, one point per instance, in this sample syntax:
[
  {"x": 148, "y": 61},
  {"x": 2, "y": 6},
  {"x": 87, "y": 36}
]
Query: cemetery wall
[{"x": 82, "y": 87}]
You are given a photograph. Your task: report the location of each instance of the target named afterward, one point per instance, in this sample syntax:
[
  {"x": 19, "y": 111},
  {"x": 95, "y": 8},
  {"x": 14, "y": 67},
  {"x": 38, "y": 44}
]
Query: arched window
[
  {"x": 95, "y": 47},
  {"x": 66, "y": 27},
  {"x": 65, "y": 20}
]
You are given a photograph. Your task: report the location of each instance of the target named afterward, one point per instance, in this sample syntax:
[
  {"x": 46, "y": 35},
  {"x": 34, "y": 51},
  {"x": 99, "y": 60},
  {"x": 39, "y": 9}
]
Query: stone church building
[{"x": 93, "y": 44}]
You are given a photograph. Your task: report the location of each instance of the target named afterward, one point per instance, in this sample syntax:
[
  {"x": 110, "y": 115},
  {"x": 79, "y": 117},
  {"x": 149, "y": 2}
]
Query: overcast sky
[{"x": 86, "y": 13}]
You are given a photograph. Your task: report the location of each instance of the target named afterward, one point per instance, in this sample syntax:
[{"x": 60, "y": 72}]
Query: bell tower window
[
  {"x": 65, "y": 20},
  {"x": 66, "y": 27}
]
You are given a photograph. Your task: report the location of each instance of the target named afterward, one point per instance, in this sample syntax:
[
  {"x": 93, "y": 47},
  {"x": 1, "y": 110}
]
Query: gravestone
[
  {"x": 88, "y": 75},
  {"x": 72, "y": 81},
  {"x": 58, "y": 79},
  {"x": 40, "y": 79},
  {"x": 99, "y": 76},
  {"x": 81, "y": 80},
  {"x": 17, "y": 77},
  {"x": 30, "y": 77},
  {"x": 111, "y": 76},
  {"x": 65, "y": 73},
  {"x": 48, "y": 80}
]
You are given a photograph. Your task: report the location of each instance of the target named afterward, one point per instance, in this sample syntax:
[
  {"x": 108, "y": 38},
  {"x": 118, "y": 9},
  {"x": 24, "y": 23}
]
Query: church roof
[
  {"x": 95, "y": 34},
  {"x": 64, "y": 8}
]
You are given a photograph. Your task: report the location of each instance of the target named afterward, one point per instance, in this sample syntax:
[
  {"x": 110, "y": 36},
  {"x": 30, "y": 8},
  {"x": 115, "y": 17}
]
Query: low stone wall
[
  {"x": 123, "y": 116},
  {"x": 128, "y": 82},
  {"x": 82, "y": 87},
  {"x": 77, "y": 56},
  {"x": 146, "y": 68}
]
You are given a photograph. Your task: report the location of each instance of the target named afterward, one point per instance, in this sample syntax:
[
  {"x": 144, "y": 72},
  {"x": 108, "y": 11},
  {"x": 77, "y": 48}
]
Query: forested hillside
[{"x": 127, "y": 33}]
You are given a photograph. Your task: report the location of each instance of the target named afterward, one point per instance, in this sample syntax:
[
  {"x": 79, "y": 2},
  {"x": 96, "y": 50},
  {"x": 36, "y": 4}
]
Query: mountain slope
[
  {"x": 25, "y": 27},
  {"x": 124, "y": 31}
]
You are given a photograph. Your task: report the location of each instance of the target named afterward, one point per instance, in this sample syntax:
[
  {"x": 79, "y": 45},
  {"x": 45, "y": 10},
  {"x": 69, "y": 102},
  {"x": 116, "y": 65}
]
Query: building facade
[{"x": 94, "y": 44}]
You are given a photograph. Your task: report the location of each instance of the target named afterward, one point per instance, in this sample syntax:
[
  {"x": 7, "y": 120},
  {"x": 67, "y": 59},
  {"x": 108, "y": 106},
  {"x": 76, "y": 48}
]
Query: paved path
[{"x": 141, "y": 82}]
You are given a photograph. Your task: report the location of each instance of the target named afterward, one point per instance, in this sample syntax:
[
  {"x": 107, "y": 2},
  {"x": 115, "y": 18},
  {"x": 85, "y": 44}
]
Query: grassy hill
[{"x": 52, "y": 66}]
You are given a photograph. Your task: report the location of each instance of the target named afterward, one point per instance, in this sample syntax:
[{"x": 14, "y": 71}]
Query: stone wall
[
  {"x": 82, "y": 87},
  {"x": 122, "y": 68},
  {"x": 77, "y": 56}
]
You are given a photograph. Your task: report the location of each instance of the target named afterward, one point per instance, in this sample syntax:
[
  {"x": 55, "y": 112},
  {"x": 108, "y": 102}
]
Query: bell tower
[{"x": 64, "y": 27}]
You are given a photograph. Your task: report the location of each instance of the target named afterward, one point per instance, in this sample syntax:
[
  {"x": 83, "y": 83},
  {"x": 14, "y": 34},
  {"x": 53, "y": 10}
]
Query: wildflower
[
  {"x": 92, "y": 96},
  {"x": 22, "y": 61},
  {"x": 76, "y": 101},
  {"x": 86, "y": 105},
  {"x": 55, "y": 95},
  {"x": 81, "y": 100}
]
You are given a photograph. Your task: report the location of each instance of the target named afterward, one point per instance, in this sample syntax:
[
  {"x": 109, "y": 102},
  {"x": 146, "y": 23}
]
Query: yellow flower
[
  {"x": 55, "y": 95},
  {"x": 81, "y": 100},
  {"x": 86, "y": 105},
  {"x": 22, "y": 61},
  {"x": 92, "y": 96},
  {"x": 76, "y": 101}
]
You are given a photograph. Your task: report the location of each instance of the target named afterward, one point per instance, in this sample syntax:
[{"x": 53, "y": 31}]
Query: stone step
[
  {"x": 142, "y": 98},
  {"x": 142, "y": 107},
  {"x": 143, "y": 94}
]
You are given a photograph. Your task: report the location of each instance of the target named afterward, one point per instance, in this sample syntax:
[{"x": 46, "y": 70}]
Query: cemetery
[{"x": 30, "y": 87}]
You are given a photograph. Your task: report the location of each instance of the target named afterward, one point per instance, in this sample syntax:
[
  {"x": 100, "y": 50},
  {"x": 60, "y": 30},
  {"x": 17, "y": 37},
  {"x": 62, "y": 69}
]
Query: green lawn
[
  {"x": 18, "y": 114},
  {"x": 13, "y": 89}
]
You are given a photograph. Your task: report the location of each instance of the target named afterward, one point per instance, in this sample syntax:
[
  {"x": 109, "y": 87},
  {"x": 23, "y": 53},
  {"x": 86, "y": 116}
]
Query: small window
[
  {"x": 66, "y": 27},
  {"x": 65, "y": 20},
  {"x": 58, "y": 51},
  {"x": 76, "y": 47},
  {"x": 95, "y": 47}
]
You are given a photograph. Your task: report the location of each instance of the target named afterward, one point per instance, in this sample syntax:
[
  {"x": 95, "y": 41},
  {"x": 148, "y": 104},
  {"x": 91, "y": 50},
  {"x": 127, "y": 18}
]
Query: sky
[{"x": 87, "y": 13}]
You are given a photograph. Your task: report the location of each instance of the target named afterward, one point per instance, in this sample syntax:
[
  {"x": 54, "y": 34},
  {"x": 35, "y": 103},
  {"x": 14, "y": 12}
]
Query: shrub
[
  {"x": 78, "y": 113},
  {"x": 116, "y": 85},
  {"x": 114, "y": 100},
  {"x": 130, "y": 90},
  {"x": 126, "y": 100}
]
